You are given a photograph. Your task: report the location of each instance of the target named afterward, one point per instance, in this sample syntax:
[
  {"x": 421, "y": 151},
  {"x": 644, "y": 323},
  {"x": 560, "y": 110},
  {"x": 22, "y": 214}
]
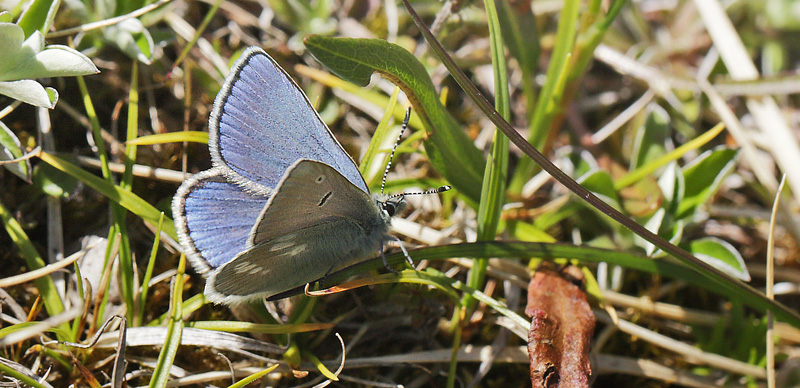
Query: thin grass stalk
[
  {"x": 148, "y": 274},
  {"x": 198, "y": 33}
]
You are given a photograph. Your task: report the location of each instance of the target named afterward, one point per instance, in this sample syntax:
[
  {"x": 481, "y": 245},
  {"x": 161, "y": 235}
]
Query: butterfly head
[{"x": 394, "y": 204}]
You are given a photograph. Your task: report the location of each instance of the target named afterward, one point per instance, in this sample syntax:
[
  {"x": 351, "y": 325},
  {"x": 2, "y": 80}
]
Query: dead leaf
[{"x": 561, "y": 328}]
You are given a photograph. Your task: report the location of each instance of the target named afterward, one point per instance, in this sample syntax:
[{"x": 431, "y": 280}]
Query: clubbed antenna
[
  {"x": 437, "y": 190},
  {"x": 394, "y": 148}
]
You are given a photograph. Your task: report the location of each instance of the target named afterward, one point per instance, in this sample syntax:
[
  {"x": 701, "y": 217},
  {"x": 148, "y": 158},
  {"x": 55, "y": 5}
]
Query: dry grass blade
[
  {"x": 44, "y": 271},
  {"x": 39, "y": 328},
  {"x": 24, "y": 373}
]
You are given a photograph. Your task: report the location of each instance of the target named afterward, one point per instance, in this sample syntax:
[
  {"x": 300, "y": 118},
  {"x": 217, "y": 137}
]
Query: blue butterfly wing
[
  {"x": 262, "y": 123},
  {"x": 214, "y": 218}
]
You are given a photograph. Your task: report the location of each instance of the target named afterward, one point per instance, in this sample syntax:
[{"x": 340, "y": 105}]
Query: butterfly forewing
[
  {"x": 262, "y": 123},
  {"x": 312, "y": 193}
]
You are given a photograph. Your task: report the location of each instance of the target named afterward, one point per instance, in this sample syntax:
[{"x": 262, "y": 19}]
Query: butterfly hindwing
[
  {"x": 316, "y": 222},
  {"x": 214, "y": 218},
  {"x": 262, "y": 123},
  {"x": 289, "y": 261}
]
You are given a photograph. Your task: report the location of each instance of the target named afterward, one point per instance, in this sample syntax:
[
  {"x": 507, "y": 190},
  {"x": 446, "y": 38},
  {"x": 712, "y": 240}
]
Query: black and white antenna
[
  {"x": 394, "y": 148},
  {"x": 389, "y": 164},
  {"x": 440, "y": 189}
]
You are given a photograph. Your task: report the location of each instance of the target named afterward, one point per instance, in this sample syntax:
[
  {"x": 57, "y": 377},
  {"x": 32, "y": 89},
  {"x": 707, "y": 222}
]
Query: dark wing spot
[{"x": 325, "y": 198}]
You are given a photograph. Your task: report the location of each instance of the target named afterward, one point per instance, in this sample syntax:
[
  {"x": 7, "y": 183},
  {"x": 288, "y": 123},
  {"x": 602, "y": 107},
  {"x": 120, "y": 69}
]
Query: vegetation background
[{"x": 624, "y": 96}]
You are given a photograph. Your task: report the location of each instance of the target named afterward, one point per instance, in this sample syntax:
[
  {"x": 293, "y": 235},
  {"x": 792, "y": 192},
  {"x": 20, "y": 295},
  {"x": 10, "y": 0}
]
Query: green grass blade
[
  {"x": 127, "y": 275},
  {"x": 198, "y": 33},
  {"x": 39, "y": 16},
  {"x": 7, "y": 368},
  {"x": 543, "y": 115},
  {"x": 253, "y": 377},
  {"x": 264, "y": 328},
  {"x": 521, "y": 37},
  {"x": 649, "y": 168},
  {"x": 148, "y": 273},
  {"x": 524, "y": 250},
  {"x": 171, "y": 137},
  {"x": 126, "y": 199},
  {"x": 166, "y": 357},
  {"x": 50, "y": 297},
  {"x": 368, "y": 166}
]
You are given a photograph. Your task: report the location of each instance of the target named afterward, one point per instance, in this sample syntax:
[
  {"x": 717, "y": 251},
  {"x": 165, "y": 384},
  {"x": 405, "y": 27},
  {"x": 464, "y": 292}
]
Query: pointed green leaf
[
  {"x": 132, "y": 38},
  {"x": 52, "y": 181},
  {"x": 704, "y": 176},
  {"x": 520, "y": 34},
  {"x": 721, "y": 255},
  {"x": 30, "y": 92},
  {"x": 652, "y": 138},
  {"x": 600, "y": 182},
  {"x": 449, "y": 149}
]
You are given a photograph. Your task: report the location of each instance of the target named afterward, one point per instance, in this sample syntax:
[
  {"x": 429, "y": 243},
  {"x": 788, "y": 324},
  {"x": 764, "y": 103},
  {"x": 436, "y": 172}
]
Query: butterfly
[{"x": 284, "y": 204}]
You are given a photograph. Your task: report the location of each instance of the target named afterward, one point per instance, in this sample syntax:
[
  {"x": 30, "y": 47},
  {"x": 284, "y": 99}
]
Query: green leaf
[
  {"x": 449, "y": 149},
  {"x": 672, "y": 186},
  {"x": 30, "y": 59},
  {"x": 39, "y": 16},
  {"x": 722, "y": 255},
  {"x": 652, "y": 138},
  {"x": 521, "y": 37},
  {"x": 9, "y": 150},
  {"x": 30, "y": 92},
  {"x": 132, "y": 38},
  {"x": 664, "y": 225},
  {"x": 704, "y": 176},
  {"x": 599, "y": 182},
  {"x": 53, "y": 182}
]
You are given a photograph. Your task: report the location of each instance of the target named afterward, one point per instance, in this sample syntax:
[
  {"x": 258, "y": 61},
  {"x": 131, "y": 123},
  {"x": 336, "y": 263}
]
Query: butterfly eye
[{"x": 389, "y": 208}]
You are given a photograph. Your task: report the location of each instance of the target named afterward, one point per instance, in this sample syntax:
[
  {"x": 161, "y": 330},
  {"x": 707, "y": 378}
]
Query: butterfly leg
[
  {"x": 386, "y": 263},
  {"x": 399, "y": 243}
]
